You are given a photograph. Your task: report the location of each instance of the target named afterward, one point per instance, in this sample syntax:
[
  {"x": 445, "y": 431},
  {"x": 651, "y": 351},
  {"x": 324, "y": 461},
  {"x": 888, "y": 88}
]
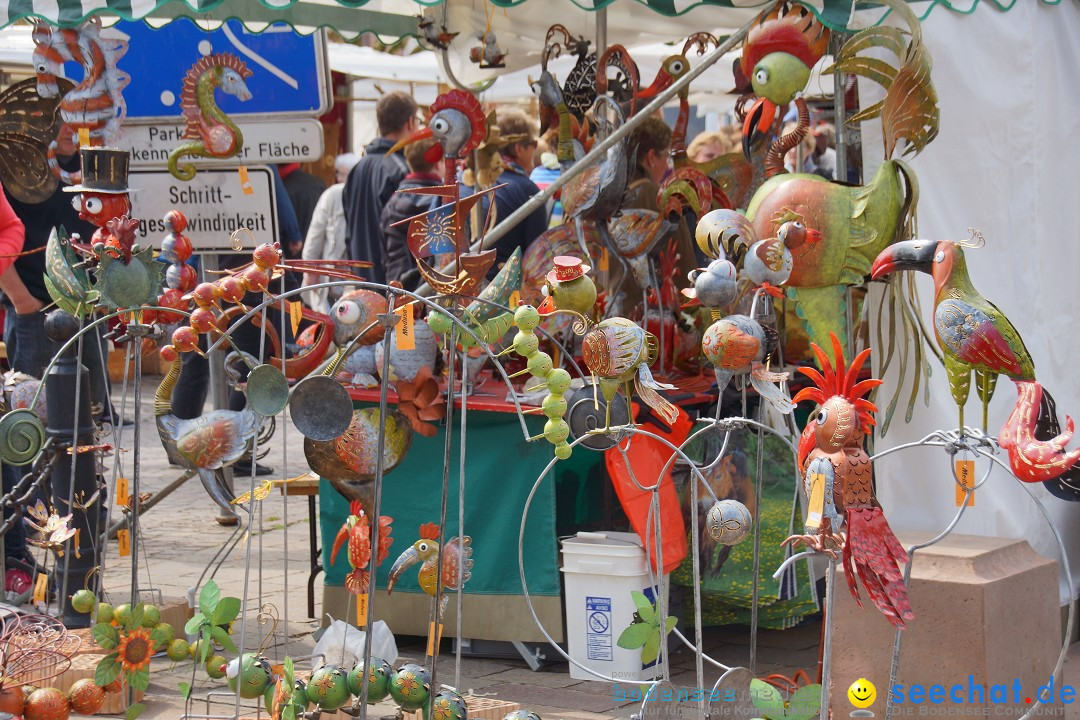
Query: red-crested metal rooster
[
  {"x": 357, "y": 530},
  {"x": 842, "y": 511},
  {"x": 975, "y": 336}
]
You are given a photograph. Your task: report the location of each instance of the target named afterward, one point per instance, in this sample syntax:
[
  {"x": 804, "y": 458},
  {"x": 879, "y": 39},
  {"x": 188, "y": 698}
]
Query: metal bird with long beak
[
  {"x": 975, "y": 336},
  {"x": 456, "y": 567}
]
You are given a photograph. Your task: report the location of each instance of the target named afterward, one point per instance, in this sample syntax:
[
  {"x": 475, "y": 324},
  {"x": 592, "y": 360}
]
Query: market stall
[{"x": 668, "y": 381}]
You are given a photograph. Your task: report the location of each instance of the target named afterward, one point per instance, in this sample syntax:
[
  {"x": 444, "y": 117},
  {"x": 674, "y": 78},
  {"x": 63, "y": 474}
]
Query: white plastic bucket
[{"x": 600, "y": 570}]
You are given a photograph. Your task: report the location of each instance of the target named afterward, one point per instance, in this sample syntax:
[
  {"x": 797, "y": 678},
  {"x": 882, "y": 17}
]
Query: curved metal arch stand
[
  {"x": 973, "y": 441},
  {"x": 726, "y": 425}
]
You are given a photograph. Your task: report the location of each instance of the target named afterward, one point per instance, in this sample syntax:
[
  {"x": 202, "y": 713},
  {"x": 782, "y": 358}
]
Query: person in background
[
  {"x": 791, "y": 159},
  {"x": 707, "y": 146},
  {"x": 824, "y": 154},
  {"x": 403, "y": 205},
  {"x": 547, "y": 171},
  {"x": 326, "y": 237},
  {"x": 652, "y": 139},
  {"x": 304, "y": 191},
  {"x": 374, "y": 179},
  {"x": 517, "y": 160},
  {"x": 12, "y": 236}
]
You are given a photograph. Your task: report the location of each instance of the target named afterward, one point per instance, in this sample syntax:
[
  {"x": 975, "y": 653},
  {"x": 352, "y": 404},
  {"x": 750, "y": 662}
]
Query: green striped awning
[{"x": 396, "y": 18}]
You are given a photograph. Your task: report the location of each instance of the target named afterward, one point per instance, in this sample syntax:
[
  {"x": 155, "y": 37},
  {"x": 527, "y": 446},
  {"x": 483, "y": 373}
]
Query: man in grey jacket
[{"x": 374, "y": 179}]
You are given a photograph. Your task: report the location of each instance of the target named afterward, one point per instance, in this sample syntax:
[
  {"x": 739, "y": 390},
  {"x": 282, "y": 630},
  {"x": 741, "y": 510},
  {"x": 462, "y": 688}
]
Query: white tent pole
[{"x": 598, "y": 151}]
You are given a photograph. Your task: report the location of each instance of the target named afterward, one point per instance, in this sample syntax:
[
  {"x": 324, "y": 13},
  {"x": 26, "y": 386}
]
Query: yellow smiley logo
[{"x": 862, "y": 693}]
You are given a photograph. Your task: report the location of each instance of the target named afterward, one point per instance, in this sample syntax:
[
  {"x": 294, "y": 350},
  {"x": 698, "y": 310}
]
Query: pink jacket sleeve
[{"x": 12, "y": 234}]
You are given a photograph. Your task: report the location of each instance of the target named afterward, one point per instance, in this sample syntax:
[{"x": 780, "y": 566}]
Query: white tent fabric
[{"x": 999, "y": 165}]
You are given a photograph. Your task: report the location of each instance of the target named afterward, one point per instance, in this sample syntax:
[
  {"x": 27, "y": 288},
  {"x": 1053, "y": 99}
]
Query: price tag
[
  {"x": 403, "y": 331},
  {"x": 361, "y": 609},
  {"x": 817, "y": 500},
  {"x": 41, "y": 586},
  {"x": 123, "y": 492},
  {"x": 245, "y": 181},
  {"x": 84, "y": 137},
  {"x": 123, "y": 538},
  {"x": 75, "y": 543},
  {"x": 515, "y": 299},
  {"x": 602, "y": 261},
  {"x": 965, "y": 472},
  {"x": 433, "y": 640},
  {"x": 296, "y": 311}
]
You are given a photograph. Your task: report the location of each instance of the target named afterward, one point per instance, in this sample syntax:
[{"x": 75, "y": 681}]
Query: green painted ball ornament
[
  {"x": 328, "y": 687},
  {"x": 410, "y": 686},
  {"x": 251, "y": 672},
  {"x": 378, "y": 679}
]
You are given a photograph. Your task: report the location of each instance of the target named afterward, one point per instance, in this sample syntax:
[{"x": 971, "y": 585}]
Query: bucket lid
[{"x": 604, "y": 543}]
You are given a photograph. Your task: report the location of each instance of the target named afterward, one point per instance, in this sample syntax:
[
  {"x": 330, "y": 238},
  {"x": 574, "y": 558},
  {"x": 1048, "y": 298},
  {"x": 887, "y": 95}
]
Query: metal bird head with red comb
[
  {"x": 781, "y": 48},
  {"x": 457, "y": 123},
  {"x": 844, "y": 413}
]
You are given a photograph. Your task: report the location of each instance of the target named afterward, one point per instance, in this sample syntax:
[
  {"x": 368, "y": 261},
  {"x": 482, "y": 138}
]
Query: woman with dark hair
[{"x": 650, "y": 148}]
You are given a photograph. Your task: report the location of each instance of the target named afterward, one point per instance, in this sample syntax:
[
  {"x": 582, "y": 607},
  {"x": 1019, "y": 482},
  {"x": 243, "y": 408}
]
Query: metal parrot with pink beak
[{"x": 977, "y": 337}]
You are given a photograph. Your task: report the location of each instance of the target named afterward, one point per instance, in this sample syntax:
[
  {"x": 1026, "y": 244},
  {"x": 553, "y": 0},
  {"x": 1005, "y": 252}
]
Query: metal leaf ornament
[
  {"x": 644, "y": 631},
  {"x": 420, "y": 401},
  {"x": 804, "y": 704}
]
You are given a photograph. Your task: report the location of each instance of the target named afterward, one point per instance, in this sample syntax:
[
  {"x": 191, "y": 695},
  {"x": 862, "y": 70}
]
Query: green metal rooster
[{"x": 859, "y": 222}]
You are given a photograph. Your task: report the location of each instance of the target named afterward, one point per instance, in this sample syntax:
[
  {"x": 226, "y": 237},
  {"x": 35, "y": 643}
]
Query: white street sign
[
  {"x": 279, "y": 141},
  {"x": 214, "y": 203}
]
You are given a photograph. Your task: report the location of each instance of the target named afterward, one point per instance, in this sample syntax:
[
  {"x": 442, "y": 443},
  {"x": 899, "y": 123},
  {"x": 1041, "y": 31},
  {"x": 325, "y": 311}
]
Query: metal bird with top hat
[
  {"x": 975, "y": 336},
  {"x": 616, "y": 350}
]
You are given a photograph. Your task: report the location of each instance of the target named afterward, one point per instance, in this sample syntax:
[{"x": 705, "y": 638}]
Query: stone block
[{"x": 986, "y": 614}]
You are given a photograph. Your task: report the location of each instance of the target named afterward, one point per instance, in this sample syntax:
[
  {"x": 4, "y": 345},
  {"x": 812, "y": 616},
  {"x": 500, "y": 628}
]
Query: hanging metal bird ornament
[
  {"x": 740, "y": 346},
  {"x": 456, "y": 566},
  {"x": 488, "y": 54},
  {"x": 617, "y": 351},
  {"x": 435, "y": 35},
  {"x": 838, "y": 488},
  {"x": 206, "y": 443},
  {"x": 357, "y": 533},
  {"x": 976, "y": 337},
  {"x": 856, "y": 222}
]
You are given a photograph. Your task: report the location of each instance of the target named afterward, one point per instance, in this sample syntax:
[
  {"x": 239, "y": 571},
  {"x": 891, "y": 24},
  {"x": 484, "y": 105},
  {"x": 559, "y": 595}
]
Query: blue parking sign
[{"x": 289, "y": 75}]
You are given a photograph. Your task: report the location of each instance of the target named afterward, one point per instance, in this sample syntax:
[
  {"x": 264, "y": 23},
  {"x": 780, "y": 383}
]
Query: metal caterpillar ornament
[{"x": 539, "y": 365}]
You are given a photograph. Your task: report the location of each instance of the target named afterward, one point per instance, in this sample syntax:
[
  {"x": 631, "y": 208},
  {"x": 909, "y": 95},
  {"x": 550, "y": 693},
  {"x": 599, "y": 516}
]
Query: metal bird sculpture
[
  {"x": 975, "y": 336},
  {"x": 579, "y": 89},
  {"x": 856, "y": 222},
  {"x": 617, "y": 351},
  {"x": 456, "y": 566},
  {"x": 459, "y": 125},
  {"x": 838, "y": 486},
  {"x": 768, "y": 262},
  {"x": 636, "y": 232},
  {"x": 357, "y": 533},
  {"x": 206, "y": 443}
]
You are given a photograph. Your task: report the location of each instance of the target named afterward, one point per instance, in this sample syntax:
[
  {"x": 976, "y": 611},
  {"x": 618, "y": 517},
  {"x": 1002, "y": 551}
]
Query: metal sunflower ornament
[
  {"x": 644, "y": 631},
  {"x": 132, "y": 645}
]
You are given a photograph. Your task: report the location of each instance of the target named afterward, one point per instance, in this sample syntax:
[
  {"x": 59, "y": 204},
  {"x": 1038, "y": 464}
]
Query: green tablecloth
[{"x": 500, "y": 471}]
